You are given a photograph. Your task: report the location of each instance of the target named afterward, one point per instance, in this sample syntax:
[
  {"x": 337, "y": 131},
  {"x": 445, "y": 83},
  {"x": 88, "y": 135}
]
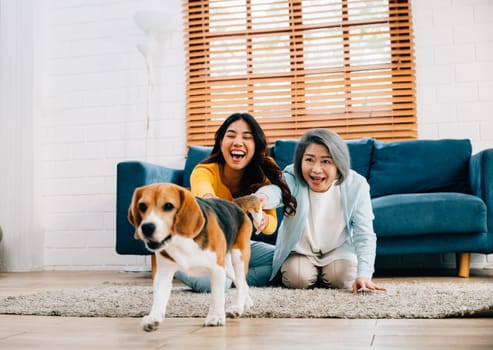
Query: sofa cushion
[
  {"x": 420, "y": 166},
  {"x": 194, "y": 156},
  {"x": 360, "y": 151},
  {"x": 428, "y": 213}
]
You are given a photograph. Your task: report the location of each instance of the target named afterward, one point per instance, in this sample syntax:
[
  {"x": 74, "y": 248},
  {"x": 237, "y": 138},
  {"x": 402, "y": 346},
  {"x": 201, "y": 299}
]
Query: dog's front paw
[
  {"x": 234, "y": 311},
  {"x": 215, "y": 320},
  {"x": 150, "y": 323}
]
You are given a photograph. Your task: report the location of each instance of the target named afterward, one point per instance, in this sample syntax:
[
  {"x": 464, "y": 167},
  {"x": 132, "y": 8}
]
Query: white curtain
[{"x": 22, "y": 246}]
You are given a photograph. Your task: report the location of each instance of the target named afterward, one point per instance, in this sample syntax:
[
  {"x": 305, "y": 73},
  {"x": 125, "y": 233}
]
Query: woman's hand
[
  {"x": 260, "y": 219},
  {"x": 262, "y": 224},
  {"x": 362, "y": 283}
]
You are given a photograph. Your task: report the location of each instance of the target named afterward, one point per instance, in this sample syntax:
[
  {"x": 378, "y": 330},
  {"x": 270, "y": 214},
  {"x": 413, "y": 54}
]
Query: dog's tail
[{"x": 251, "y": 204}]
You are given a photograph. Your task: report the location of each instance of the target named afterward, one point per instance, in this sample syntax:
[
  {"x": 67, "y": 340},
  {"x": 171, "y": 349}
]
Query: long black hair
[{"x": 261, "y": 166}]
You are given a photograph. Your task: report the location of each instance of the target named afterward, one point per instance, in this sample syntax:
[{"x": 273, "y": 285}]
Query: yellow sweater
[{"x": 206, "y": 178}]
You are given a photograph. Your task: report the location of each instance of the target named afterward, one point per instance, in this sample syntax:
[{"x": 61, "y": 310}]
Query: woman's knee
[
  {"x": 339, "y": 274},
  {"x": 298, "y": 272}
]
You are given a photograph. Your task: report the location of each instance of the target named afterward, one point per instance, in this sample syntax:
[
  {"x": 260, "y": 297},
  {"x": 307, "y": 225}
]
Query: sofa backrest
[
  {"x": 420, "y": 166},
  {"x": 397, "y": 167}
]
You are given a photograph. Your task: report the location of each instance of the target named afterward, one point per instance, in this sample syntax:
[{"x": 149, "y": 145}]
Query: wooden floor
[{"x": 35, "y": 332}]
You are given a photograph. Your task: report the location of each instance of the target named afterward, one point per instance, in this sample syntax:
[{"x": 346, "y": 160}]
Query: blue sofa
[{"x": 428, "y": 196}]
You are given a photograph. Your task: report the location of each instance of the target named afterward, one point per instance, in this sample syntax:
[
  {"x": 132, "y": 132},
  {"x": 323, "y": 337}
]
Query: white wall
[
  {"x": 88, "y": 114},
  {"x": 85, "y": 102},
  {"x": 96, "y": 116},
  {"x": 454, "y": 64}
]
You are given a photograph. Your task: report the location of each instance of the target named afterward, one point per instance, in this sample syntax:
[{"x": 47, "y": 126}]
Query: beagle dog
[{"x": 196, "y": 236}]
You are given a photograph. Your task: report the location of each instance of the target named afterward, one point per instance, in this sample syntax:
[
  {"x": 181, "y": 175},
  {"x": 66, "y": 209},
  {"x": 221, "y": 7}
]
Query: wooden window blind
[{"x": 347, "y": 65}]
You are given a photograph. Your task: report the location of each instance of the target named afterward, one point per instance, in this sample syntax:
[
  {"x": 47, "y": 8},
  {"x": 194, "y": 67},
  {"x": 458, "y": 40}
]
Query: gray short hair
[{"x": 336, "y": 146}]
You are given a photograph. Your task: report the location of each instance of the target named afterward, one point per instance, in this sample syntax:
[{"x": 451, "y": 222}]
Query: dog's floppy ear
[
  {"x": 189, "y": 219},
  {"x": 133, "y": 211}
]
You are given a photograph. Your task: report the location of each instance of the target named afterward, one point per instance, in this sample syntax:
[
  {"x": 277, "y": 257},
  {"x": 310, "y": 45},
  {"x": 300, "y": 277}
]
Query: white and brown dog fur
[{"x": 197, "y": 236}]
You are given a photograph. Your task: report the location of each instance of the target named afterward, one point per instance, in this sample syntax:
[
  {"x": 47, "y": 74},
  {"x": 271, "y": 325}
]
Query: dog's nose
[{"x": 148, "y": 229}]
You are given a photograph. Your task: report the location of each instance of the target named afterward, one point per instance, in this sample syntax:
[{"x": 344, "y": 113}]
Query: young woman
[
  {"x": 330, "y": 240},
  {"x": 239, "y": 164}
]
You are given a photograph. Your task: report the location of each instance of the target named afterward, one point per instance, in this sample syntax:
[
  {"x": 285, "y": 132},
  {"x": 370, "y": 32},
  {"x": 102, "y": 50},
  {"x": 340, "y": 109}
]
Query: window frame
[{"x": 204, "y": 114}]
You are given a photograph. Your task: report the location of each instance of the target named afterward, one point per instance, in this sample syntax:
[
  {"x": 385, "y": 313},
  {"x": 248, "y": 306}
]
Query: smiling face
[
  {"x": 318, "y": 167},
  {"x": 238, "y": 145}
]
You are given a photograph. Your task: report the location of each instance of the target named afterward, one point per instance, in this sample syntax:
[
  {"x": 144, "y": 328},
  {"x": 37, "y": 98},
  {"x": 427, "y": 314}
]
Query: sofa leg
[
  {"x": 153, "y": 266},
  {"x": 463, "y": 264}
]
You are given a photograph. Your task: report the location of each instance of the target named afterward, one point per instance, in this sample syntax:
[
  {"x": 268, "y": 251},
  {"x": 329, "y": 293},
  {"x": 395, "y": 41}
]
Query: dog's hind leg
[
  {"x": 243, "y": 300},
  {"x": 162, "y": 286},
  {"x": 216, "y": 315}
]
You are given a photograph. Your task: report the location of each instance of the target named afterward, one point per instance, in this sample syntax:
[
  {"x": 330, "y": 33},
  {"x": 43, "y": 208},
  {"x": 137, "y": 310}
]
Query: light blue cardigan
[{"x": 358, "y": 213}]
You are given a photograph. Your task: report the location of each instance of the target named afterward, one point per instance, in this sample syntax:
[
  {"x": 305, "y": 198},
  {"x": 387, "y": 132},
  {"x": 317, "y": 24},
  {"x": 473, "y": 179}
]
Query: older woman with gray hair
[{"x": 330, "y": 241}]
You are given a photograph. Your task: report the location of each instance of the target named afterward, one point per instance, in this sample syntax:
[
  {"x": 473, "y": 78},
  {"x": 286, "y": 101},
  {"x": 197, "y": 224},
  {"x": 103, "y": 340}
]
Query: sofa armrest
[
  {"x": 129, "y": 176},
  {"x": 480, "y": 170}
]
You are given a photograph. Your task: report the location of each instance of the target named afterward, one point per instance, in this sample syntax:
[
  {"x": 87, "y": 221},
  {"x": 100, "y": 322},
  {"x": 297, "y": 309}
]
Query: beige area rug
[{"x": 401, "y": 300}]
